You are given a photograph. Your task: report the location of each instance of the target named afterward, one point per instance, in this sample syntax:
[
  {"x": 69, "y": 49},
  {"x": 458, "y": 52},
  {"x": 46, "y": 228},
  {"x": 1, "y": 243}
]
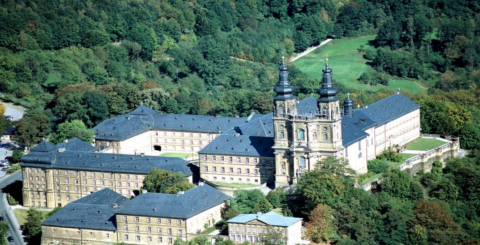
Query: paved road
[
  {"x": 14, "y": 110},
  {"x": 7, "y": 212}
]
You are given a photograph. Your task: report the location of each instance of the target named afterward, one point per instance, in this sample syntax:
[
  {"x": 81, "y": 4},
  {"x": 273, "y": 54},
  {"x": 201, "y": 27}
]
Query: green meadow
[{"x": 347, "y": 64}]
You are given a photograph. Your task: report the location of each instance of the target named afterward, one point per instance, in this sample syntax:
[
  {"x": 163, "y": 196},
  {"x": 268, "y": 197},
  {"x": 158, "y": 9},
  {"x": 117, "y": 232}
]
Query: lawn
[
  {"x": 236, "y": 185},
  {"x": 180, "y": 155},
  {"x": 406, "y": 156},
  {"x": 22, "y": 214},
  {"x": 347, "y": 64},
  {"x": 423, "y": 144},
  {"x": 376, "y": 176}
]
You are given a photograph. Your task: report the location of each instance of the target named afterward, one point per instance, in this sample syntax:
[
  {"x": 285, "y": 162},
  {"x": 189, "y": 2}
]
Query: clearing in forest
[{"x": 345, "y": 57}]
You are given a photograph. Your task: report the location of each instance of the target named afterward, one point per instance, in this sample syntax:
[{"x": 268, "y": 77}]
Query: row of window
[
  {"x": 237, "y": 159},
  {"x": 232, "y": 179},
  {"x": 182, "y": 141},
  {"x": 149, "y": 239},
  {"x": 230, "y": 170},
  {"x": 191, "y": 135},
  {"x": 85, "y": 174},
  {"x": 149, "y": 220},
  {"x": 149, "y": 230},
  {"x": 253, "y": 230}
]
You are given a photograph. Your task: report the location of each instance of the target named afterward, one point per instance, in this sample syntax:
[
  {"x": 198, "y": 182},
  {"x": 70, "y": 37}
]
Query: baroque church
[{"x": 273, "y": 148}]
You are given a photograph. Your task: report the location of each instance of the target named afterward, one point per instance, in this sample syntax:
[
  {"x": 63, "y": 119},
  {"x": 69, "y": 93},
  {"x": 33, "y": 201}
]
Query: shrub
[{"x": 377, "y": 166}]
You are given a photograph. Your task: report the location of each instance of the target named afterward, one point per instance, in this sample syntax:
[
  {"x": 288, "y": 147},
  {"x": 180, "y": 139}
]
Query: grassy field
[
  {"x": 422, "y": 144},
  {"x": 347, "y": 64},
  {"x": 406, "y": 156},
  {"x": 180, "y": 155},
  {"x": 22, "y": 214}
]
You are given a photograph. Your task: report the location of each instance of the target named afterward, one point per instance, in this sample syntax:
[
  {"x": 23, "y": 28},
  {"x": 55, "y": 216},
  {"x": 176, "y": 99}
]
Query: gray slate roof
[
  {"x": 261, "y": 126},
  {"x": 95, "y": 211},
  {"x": 76, "y": 144},
  {"x": 307, "y": 106},
  {"x": 181, "y": 206},
  {"x": 351, "y": 133},
  {"x": 240, "y": 145},
  {"x": 94, "y": 161},
  {"x": 270, "y": 218},
  {"x": 390, "y": 108},
  {"x": 144, "y": 119}
]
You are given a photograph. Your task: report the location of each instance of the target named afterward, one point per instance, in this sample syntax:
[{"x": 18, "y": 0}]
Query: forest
[{"x": 86, "y": 61}]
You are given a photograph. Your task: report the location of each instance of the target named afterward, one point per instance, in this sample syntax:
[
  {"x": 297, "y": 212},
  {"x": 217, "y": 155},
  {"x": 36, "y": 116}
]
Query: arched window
[
  {"x": 282, "y": 135},
  {"x": 325, "y": 136},
  {"x": 301, "y": 134},
  {"x": 314, "y": 135},
  {"x": 280, "y": 110},
  {"x": 301, "y": 162}
]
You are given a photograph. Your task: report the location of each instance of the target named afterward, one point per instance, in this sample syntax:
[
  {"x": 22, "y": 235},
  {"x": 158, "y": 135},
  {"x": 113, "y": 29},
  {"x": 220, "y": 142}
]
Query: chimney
[
  {"x": 142, "y": 154},
  {"x": 61, "y": 149},
  {"x": 200, "y": 183},
  {"x": 65, "y": 141},
  {"x": 217, "y": 116},
  {"x": 181, "y": 192},
  {"x": 144, "y": 191},
  {"x": 114, "y": 205},
  {"x": 237, "y": 135}
]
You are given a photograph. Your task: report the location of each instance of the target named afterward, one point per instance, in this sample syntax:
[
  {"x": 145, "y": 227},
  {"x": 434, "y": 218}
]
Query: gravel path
[
  {"x": 300, "y": 55},
  {"x": 14, "y": 110}
]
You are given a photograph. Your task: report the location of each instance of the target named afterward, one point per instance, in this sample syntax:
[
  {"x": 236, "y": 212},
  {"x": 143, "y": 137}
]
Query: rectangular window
[
  {"x": 214, "y": 169},
  {"x": 148, "y": 220},
  {"x": 138, "y": 238},
  {"x": 160, "y": 239},
  {"x": 125, "y": 227},
  {"x": 149, "y": 229},
  {"x": 180, "y": 232},
  {"x": 159, "y": 220},
  {"x": 255, "y": 160},
  {"x": 214, "y": 158},
  {"x": 159, "y": 230},
  {"x": 179, "y": 222},
  {"x": 205, "y": 157},
  {"x": 239, "y": 159},
  {"x": 231, "y": 170},
  {"x": 247, "y": 171},
  {"x": 222, "y": 169},
  {"x": 239, "y": 170},
  {"x": 247, "y": 160},
  {"x": 205, "y": 168},
  {"x": 230, "y": 159},
  {"x": 126, "y": 237},
  {"x": 107, "y": 235},
  {"x": 200, "y": 142},
  {"x": 149, "y": 238},
  {"x": 169, "y": 221},
  {"x": 169, "y": 231},
  {"x": 137, "y": 219}
]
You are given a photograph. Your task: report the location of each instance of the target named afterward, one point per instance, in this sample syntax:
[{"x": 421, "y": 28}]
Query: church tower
[
  {"x": 309, "y": 138},
  {"x": 284, "y": 107}
]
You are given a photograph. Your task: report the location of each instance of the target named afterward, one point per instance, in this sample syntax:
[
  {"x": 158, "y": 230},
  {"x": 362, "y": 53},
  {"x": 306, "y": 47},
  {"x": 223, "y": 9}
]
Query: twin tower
[{"x": 306, "y": 131}]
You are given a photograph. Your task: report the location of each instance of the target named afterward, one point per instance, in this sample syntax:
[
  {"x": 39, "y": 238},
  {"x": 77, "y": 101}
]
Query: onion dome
[
  {"x": 347, "y": 106},
  {"x": 327, "y": 92},
  {"x": 283, "y": 89}
]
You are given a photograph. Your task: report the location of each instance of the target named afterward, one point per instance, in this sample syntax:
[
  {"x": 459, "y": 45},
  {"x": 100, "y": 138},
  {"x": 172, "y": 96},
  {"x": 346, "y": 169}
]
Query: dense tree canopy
[{"x": 161, "y": 181}]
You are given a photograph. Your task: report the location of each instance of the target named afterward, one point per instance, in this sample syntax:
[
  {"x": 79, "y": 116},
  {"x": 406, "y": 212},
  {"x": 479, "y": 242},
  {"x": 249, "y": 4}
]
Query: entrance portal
[{"x": 157, "y": 148}]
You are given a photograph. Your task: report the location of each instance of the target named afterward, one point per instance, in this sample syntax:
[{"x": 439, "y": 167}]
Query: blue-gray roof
[
  {"x": 94, "y": 161},
  {"x": 307, "y": 107},
  {"x": 240, "y": 145},
  {"x": 390, "y": 108},
  {"x": 95, "y": 211},
  {"x": 144, "y": 119},
  {"x": 270, "y": 218},
  {"x": 43, "y": 146},
  {"x": 180, "y": 206},
  {"x": 351, "y": 131},
  {"x": 261, "y": 126},
  {"x": 76, "y": 144}
]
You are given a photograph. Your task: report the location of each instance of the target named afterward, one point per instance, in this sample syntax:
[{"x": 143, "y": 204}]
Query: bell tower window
[{"x": 301, "y": 134}]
